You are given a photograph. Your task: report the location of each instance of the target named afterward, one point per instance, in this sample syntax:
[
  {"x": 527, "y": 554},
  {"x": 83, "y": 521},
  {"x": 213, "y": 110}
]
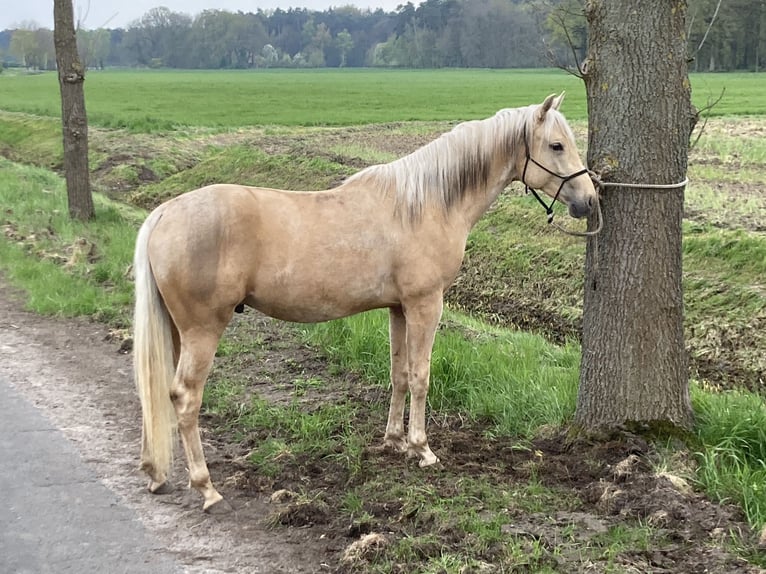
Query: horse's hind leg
[
  {"x": 197, "y": 351},
  {"x": 394, "y": 437}
]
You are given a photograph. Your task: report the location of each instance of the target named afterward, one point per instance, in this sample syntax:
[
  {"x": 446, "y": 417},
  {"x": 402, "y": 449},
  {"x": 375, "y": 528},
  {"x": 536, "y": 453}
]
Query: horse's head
[{"x": 552, "y": 163}]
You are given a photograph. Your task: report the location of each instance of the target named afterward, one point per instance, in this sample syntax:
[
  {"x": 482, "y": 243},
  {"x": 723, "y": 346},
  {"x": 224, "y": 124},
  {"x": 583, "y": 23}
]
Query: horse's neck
[{"x": 476, "y": 204}]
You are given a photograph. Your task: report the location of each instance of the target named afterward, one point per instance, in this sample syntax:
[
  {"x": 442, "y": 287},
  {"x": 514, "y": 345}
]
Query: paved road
[{"x": 55, "y": 516}]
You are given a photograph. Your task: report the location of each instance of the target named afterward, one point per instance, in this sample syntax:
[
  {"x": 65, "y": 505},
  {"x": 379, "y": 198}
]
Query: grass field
[
  {"x": 158, "y": 100},
  {"x": 517, "y": 492}
]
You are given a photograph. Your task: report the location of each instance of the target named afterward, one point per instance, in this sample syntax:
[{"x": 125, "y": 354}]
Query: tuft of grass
[
  {"x": 228, "y": 347},
  {"x": 703, "y": 200},
  {"x": 31, "y": 139},
  {"x": 731, "y": 430},
  {"x": 733, "y": 254},
  {"x": 286, "y": 432},
  {"x": 462, "y": 513},
  {"x": 368, "y": 154}
]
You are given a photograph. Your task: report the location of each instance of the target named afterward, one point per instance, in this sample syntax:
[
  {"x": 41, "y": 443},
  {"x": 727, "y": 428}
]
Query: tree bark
[
  {"x": 634, "y": 364},
  {"x": 73, "y": 118}
]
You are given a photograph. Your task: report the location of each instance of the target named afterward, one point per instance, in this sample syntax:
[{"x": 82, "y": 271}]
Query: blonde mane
[{"x": 441, "y": 172}]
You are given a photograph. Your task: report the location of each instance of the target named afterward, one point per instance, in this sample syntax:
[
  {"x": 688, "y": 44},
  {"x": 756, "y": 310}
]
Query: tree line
[{"x": 721, "y": 36}]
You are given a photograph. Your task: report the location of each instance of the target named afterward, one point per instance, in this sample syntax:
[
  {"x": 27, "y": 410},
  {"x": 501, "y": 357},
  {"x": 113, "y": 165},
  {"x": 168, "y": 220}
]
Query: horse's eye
[{"x": 557, "y": 146}]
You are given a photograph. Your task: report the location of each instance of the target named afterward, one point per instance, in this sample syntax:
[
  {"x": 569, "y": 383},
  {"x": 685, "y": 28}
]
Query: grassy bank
[{"x": 66, "y": 268}]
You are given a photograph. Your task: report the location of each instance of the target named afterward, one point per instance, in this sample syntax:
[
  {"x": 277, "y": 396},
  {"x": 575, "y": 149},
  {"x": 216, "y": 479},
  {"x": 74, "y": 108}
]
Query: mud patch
[{"x": 600, "y": 487}]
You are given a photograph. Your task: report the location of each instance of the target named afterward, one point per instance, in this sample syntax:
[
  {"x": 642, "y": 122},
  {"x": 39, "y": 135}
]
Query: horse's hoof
[
  {"x": 217, "y": 508},
  {"x": 428, "y": 461},
  {"x": 160, "y": 487},
  {"x": 396, "y": 444},
  {"x": 426, "y": 456}
]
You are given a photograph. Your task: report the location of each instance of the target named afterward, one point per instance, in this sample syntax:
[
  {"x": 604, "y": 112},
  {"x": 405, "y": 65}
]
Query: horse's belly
[
  {"x": 316, "y": 313},
  {"x": 315, "y": 303}
]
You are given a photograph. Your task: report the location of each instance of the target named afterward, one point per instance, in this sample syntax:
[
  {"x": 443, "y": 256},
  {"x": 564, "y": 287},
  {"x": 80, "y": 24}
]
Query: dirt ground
[{"x": 80, "y": 376}]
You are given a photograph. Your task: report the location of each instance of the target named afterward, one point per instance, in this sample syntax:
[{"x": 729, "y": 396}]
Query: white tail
[{"x": 153, "y": 362}]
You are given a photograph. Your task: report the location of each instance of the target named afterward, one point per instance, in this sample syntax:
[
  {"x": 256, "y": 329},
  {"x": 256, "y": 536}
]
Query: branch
[
  {"x": 709, "y": 106},
  {"x": 712, "y": 20},
  {"x": 559, "y": 20},
  {"x": 580, "y": 73},
  {"x": 691, "y": 23}
]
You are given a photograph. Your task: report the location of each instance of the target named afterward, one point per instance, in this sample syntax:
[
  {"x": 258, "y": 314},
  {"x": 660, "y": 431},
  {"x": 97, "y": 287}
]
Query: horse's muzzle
[{"x": 579, "y": 209}]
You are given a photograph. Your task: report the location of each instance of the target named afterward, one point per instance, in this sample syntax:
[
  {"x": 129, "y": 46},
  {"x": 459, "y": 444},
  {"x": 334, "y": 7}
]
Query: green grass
[
  {"x": 740, "y": 93},
  {"x": 66, "y": 267},
  {"x": 733, "y": 252},
  {"x": 282, "y": 433},
  {"x": 371, "y": 156},
  {"x": 244, "y": 165},
  {"x": 474, "y": 506},
  {"x": 289, "y": 97},
  {"x": 149, "y": 101},
  {"x": 34, "y": 140},
  {"x": 705, "y": 197},
  {"x": 731, "y": 428},
  {"x": 516, "y": 381}
]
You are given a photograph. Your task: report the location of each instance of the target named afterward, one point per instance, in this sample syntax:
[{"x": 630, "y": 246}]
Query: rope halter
[{"x": 533, "y": 191}]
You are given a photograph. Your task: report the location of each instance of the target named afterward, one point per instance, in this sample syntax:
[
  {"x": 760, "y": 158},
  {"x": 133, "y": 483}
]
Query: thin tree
[
  {"x": 73, "y": 118},
  {"x": 634, "y": 365}
]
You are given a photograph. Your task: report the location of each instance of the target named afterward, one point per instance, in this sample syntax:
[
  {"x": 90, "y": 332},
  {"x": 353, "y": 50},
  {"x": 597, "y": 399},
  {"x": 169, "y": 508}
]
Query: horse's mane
[{"x": 440, "y": 173}]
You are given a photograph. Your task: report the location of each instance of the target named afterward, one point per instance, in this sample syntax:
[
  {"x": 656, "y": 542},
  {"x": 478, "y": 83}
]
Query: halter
[{"x": 564, "y": 179}]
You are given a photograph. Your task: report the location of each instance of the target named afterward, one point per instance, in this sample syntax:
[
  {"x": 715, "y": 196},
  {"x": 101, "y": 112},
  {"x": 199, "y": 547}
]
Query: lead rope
[
  {"x": 601, "y": 185},
  {"x": 597, "y": 185}
]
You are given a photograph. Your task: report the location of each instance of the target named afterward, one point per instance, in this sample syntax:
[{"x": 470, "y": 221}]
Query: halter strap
[{"x": 533, "y": 191}]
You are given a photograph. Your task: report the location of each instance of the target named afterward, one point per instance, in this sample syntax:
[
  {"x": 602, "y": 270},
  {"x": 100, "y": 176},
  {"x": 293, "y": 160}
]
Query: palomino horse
[{"x": 390, "y": 236}]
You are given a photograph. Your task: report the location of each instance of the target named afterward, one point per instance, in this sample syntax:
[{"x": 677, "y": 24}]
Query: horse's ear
[
  {"x": 558, "y": 100},
  {"x": 544, "y": 107}
]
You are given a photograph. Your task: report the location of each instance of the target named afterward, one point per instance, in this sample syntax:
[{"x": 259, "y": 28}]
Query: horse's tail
[{"x": 153, "y": 361}]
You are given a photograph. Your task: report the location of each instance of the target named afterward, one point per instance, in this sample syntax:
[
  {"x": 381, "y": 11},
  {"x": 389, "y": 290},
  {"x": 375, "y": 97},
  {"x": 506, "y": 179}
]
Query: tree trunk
[
  {"x": 73, "y": 118},
  {"x": 634, "y": 366}
]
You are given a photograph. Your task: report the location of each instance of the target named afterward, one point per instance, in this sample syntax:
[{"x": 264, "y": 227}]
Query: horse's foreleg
[
  {"x": 394, "y": 437},
  {"x": 422, "y": 320},
  {"x": 195, "y": 360}
]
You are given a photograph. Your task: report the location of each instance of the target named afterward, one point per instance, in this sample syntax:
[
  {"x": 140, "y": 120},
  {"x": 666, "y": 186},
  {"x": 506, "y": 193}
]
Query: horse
[{"x": 389, "y": 236}]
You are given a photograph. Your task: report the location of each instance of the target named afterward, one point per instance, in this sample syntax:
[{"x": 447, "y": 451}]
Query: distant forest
[{"x": 722, "y": 36}]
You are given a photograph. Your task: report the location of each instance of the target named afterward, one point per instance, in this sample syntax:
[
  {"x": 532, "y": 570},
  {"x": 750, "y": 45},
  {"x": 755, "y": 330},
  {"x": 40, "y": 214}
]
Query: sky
[{"x": 119, "y": 13}]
